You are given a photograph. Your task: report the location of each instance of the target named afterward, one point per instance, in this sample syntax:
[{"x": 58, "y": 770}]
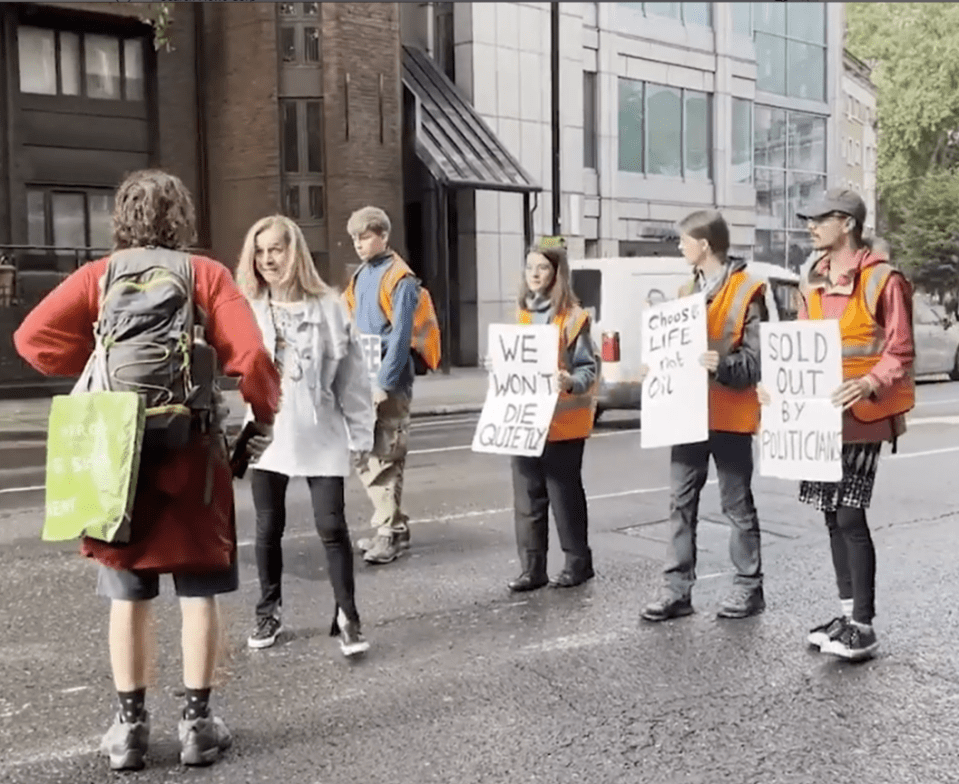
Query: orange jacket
[
  {"x": 731, "y": 410},
  {"x": 574, "y": 414},
  {"x": 863, "y": 340}
]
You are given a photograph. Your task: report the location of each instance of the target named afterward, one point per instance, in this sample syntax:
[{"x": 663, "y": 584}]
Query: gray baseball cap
[{"x": 836, "y": 200}]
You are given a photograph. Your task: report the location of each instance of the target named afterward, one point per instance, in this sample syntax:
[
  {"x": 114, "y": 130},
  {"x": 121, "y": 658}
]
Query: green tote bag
[{"x": 93, "y": 460}]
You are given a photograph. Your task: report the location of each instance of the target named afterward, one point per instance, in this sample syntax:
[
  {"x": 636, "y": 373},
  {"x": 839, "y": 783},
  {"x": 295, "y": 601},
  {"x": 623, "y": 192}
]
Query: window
[
  {"x": 70, "y": 218},
  {"x": 790, "y": 43},
  {"x": 664, "y": 131},
  {"x": 590, "y": 113},
  {"x": 690, "y": 14},
  {"x": 590, "y": 14},
  {"x": 742, "y": 19},
  {"x": 588, "y": 286},
  {"x": 789, "y": 159},
  {"x": 301, "y": 133},
  {"x": 742, "y": 140},
  {"x": 101, "y": 67},
  {"x": 299, "y": 32}
]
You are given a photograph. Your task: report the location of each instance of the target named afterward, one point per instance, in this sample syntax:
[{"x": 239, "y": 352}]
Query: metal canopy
[{"x": 452, "y": 140}]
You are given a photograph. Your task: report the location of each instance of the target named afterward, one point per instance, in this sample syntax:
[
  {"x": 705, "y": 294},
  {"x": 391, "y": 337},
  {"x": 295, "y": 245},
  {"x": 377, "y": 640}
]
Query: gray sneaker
[
  {"x": 402, "y": 539},
  {"x": 385, "y": 549},
  {"x": 126, "y": 744},
  {"x": 202, "y": 740}
]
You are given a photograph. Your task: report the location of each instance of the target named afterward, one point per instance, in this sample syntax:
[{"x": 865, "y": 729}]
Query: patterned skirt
[{"x": 859, "y": 464}]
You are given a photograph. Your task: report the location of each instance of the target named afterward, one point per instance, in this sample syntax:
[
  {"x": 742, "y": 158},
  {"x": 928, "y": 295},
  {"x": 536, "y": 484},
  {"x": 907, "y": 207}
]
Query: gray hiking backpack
[{"x": 148, "y": 340}]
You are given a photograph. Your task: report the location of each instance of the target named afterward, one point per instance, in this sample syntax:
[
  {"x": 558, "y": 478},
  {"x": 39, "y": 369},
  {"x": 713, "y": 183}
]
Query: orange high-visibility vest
[
  {"x": 730, "y": 410},
  {"x": 425, "y": 339},
  {"x": 574, "y": 414},
  {"x": 863, "y": 339}
]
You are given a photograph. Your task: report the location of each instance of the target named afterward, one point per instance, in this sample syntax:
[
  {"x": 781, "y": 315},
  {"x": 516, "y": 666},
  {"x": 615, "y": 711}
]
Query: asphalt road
[{"x": 466, "y": 683}]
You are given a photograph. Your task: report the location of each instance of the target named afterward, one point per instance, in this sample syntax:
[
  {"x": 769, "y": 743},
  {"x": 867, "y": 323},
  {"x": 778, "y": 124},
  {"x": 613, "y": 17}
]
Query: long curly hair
[
  {"x": 301, "y": 278},
  {"x": 153, "y": 209}
]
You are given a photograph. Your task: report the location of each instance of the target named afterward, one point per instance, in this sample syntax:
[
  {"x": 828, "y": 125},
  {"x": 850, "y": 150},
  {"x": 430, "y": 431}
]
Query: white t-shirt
[{"x": 304, "y": 442}]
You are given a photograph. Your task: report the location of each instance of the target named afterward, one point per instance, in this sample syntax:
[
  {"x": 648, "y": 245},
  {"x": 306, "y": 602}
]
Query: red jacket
[{"x": 172, "y": 522}]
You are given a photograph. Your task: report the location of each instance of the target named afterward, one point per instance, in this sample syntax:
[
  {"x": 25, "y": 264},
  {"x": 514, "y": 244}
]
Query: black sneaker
[
  {"x": 853, "y": 643},
  {"x": 820, "y": 635},
  {"x": 667, "y": 605},
  {"x": 352, "y": 641},
  {"x": 742, "y": 602},
  {"x": 268, "y": 628}
]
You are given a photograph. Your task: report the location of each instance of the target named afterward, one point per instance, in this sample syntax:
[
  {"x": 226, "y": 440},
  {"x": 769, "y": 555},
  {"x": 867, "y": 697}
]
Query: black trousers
[
  {"x": 854, "y": 559},
  {"x": 269, "y": 499},
  {"x": 555, "y": 479}
]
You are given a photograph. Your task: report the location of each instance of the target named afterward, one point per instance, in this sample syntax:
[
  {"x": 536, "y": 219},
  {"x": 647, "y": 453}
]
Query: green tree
[
  {"x": 926, "y": 242},
  {"x": 914, "y": 51}
]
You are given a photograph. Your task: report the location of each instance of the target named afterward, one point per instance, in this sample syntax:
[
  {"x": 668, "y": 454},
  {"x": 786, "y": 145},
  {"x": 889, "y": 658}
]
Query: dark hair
[
  {"x": 561, "y": 289},
  {"x": 153, "y": 209},
  {"x": 707, "y": 225}
]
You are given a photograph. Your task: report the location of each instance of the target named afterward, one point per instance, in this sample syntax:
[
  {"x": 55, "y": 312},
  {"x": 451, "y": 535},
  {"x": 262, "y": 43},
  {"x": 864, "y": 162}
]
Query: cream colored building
[
  {"x": 857, "y": 128},
  {"x": 665, "y": 108}
]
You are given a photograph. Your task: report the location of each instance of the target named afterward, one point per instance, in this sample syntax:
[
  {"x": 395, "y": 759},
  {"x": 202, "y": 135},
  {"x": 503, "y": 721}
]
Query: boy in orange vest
[
  {"x": 736, "y": 306},
  {"x": 382, "y": 471}
]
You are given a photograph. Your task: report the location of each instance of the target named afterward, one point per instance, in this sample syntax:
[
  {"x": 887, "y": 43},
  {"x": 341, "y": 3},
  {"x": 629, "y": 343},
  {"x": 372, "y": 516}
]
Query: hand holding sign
[
  {"x": 675, "y": 403},
  {"x": 523, "y": 389}
]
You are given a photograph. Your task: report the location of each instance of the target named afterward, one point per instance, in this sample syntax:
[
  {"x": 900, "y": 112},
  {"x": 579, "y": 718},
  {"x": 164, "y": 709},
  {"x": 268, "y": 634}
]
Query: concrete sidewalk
[{"x": 462, "y": 391}]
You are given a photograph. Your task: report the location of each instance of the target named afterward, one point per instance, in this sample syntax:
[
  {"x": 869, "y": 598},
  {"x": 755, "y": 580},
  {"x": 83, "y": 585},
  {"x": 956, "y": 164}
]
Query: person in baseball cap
[
  {"x": 837, "y": 201},
  {"x": 851, "y": 283}
]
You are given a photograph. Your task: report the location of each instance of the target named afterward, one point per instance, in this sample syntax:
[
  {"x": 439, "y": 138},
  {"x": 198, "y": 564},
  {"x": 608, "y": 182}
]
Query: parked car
[
  {"x": 937, "y": 340},
  {"x": 615, "y": 291}
]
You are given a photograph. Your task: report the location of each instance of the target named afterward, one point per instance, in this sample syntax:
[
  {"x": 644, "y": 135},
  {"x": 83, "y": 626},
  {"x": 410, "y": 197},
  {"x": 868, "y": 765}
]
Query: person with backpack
[
  {"x": 555, "y": 478},
  {"x": 327, "y": 409},
  {"x": 852, "y": 283},
  {"x": 146, "y": 319},
  {"x": 735, "y": 308},
  {"x": 396, "y": 318}
]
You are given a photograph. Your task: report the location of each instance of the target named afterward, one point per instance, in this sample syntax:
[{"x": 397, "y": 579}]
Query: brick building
[{"x": 259, "y": 107}]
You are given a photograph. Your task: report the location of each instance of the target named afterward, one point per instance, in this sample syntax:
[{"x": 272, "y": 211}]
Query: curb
[{"x": 36, "y": 434}]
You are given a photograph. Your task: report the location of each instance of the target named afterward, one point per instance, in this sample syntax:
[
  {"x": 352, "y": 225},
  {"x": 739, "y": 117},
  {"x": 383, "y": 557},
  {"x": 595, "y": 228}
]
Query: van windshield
[{"x": 587, "y": 285}]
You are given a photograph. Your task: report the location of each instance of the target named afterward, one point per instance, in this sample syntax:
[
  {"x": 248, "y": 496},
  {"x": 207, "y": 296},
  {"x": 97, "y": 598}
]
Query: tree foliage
[
  {"x": 926, "y": 241},
  {"x": 913, "y": 49},
  {"x": 160, "y": 18}
]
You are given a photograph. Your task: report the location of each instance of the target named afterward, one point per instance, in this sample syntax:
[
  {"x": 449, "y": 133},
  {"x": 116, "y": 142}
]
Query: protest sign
[
  {"x": 522, "y": 390},
  {"x": 372, "y": 355},
  {"x": 675, "y": 403},
  {"x": 801, "y": 432}
]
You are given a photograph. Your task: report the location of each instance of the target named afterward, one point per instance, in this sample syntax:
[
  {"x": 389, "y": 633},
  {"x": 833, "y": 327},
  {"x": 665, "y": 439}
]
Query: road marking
[
  {"x": 933, "y": 420},
  {"x": 899, "y": 456},
  {"x": 491, "y": 512}
]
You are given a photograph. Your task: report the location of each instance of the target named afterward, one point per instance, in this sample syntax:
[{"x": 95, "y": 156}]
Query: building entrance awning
[{"x": 452, "y": 140}]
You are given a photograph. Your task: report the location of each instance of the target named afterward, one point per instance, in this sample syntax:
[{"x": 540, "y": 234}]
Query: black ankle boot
[
  {"x": 534, "y": 575},
  {"x": 528, "y": 581}
]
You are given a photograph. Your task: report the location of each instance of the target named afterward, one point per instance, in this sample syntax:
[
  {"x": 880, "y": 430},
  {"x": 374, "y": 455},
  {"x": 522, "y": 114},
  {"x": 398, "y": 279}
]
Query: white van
[{"x": 616, "y": 290}]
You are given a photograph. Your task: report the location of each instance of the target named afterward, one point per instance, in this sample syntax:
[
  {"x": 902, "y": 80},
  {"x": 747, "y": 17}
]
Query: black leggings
[
  {"x": 269, "y": 498},
  {"x": 854, "y": 559}
]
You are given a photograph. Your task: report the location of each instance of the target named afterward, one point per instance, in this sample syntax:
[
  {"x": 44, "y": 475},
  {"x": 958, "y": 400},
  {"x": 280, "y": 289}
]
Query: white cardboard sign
[
  {"x": 801, "y": 432},
  {"x": 522, "y": 390},
  {"x": 675, "y": 403},
  {"x": 372, "y": 355}
]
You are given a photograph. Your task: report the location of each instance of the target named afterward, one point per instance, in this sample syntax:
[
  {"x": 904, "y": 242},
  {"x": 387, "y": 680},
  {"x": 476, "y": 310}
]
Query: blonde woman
[{"x": 326, "y": 412}]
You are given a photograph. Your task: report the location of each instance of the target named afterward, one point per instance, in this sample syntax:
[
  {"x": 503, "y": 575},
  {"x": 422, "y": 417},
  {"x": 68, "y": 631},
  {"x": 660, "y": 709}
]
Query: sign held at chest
[{"x": 522, "y": 391}]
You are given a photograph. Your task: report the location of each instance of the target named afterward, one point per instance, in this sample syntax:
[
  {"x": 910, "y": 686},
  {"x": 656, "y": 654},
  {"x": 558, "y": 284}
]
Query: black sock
[
  {"x": 197, "y": 704},
  {"x": 132, "y": 704}
]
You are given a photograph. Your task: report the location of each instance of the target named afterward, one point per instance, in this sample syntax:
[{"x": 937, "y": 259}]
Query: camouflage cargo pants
[{"x": 382, "y": 472}]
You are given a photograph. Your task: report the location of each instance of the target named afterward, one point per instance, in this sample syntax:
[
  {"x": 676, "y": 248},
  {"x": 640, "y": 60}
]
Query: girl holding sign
[
  {"x": 327, "y": 408},
  {"x": 555, "y": 478},
  {"x": 873, "y": 303}
]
